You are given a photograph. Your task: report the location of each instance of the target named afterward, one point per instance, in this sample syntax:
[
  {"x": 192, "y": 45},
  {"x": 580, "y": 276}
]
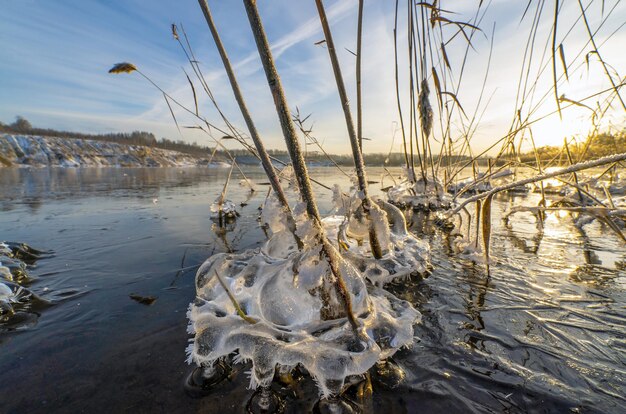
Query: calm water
[{"x": 544, "y": 333}]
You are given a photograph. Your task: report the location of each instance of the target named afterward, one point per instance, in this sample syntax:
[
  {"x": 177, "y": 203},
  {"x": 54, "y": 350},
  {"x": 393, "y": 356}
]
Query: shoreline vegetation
[{"x": 598, "y": 146}]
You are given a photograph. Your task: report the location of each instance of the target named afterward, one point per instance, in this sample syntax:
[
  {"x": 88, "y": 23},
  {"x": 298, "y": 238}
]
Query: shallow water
[{"x": 545, "y": 332}]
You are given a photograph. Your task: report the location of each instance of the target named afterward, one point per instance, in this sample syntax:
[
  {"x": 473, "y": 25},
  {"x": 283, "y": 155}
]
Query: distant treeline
[
  {"x": 394, "y": 159},
  {"x": 23, "y": 126},
  {"x": 597, "y": 146}
]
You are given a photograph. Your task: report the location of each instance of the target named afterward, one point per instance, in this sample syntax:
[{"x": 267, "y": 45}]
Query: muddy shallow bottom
[{"x": 543, "y": 333}]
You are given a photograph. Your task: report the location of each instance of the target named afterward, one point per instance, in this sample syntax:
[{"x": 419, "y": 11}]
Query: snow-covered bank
[{"x": 39, "y": 151}]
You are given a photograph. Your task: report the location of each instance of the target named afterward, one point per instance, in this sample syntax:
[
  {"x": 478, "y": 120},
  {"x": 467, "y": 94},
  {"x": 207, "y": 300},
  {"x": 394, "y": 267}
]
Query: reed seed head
[
  {"x": 425, "y": 110},
  {"x": 123, "y": 67}
]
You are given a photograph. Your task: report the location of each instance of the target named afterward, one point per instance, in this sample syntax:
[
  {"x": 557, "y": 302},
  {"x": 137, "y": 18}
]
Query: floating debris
[{"x": 144, "y": 300}]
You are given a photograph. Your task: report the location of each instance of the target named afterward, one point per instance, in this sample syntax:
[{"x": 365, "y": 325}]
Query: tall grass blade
[
  {"x": 193, "y": 90},
  {"x": 172, "y": 113},
  {"x": 438, "y": 87},
  {"x": 487, "y": 227},
  {"x": 562, "y": 56}
]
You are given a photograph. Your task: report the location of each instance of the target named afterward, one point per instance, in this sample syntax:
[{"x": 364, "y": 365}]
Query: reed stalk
[
  {"x": 359, "y": 102},
  {"x": 266, "y": 162},
  {"x": 540, "y": 177},
  {"x": 597, "y": 51},
  {"x": 357, "y": 155},
  {"x": 399, "y": 104},
  {"x": 295, "y": 153},
  {"x": 222, "y": 198}
]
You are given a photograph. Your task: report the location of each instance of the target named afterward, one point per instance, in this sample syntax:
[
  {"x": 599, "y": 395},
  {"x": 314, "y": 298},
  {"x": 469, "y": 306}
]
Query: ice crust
[
  {"x": 419, "y": 195},
  {"x": 10, "y": 295},
  {"x": 228, "y": 209},
  {"x": 6, "y": 294},
  {"x": 289, "y": 330},
  {"x": 12, "y": 273},
  {"x": 482, "y": 183},
  {"x": 403, "y": 254},
  {"x": 282, "y": 289}
]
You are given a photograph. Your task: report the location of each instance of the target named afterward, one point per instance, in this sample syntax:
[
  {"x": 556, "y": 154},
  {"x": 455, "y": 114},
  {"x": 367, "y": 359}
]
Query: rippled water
[{"x": 545, "y": 332}]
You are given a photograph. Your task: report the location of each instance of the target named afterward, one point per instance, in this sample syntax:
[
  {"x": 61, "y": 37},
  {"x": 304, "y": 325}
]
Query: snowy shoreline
[{"x": 39, "y": 151}]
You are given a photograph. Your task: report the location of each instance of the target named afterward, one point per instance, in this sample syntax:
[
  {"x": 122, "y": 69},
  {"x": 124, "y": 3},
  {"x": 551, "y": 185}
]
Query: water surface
[{"x": 543, "y": 333}]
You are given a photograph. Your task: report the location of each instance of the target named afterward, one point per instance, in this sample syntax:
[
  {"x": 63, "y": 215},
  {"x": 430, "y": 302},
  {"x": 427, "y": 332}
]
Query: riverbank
[{"x": 40, "y": 151}]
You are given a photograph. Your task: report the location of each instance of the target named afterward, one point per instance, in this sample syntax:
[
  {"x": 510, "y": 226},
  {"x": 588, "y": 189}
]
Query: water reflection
[
  {"x": 477, "y": 288},
  {"x": 29, "y": 185}
]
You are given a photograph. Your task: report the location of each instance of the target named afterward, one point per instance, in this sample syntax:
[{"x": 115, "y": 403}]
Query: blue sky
[{"x": 56, "y": 54}]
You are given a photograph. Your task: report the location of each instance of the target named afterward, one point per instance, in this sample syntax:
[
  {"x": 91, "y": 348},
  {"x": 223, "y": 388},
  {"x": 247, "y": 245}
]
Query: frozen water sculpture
[
  {"x": 403, "y": 254},
  {"x": 420, "y": 194},
  {"x": 279, "y": 311},
  {"x": 13, "y": 273},
  {"x": 225, "y": 210},
  {"x": 275, "y": 307}
]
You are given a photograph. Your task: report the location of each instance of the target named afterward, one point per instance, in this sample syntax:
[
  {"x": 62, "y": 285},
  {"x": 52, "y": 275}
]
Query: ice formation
[
  {"x": 12, "y": 274},
  {"x": 404, "y": 254},
  {"x": 480, "y": 184},
  {"x": 12, "y": 294},
  {"x": 224, "y": 209},
  {"x": 419, "y": 195},
  {"x": 276, "y": 305},
  {"x": 618, "y": 187},
  {"x": 6, "y": 297},
  {"x": 283, "y": 296}
]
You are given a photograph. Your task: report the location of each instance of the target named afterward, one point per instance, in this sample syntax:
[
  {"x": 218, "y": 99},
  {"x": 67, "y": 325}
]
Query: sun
[{"x": 575, "y": 123}]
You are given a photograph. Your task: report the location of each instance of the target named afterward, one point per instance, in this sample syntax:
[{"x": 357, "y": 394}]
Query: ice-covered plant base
[
  {"x": 13, "y": 273},
  {"x": 285, "y": 325},
  {"x": 403, "y": 254},
  {"x": 420, "y": 195},
  {"x": 275, "y": 306},
  {"x": 224, "y": 209}
]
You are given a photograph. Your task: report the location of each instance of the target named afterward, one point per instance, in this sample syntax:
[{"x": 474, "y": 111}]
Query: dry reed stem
[
  {"x": 269, "y": 169},
  {"x": 357, "y": 155},
  {"x": 295, "y": 153},
  {"x": 359, "y": 103},
  {"x": 562, "y": 171}
]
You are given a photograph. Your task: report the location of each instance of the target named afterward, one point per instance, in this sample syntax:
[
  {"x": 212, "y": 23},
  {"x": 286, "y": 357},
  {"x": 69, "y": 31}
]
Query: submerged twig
[{"x": 238, "y": 308}]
